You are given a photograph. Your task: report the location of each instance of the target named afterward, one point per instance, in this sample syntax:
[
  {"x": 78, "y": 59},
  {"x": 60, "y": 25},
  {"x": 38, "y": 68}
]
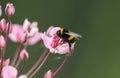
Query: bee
[{"x": 67, "y": 36}]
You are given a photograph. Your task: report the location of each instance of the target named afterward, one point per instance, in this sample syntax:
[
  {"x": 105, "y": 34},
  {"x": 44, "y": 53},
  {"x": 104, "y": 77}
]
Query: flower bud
[
  {"x": 0, "y": 11},
  {"x": 2, "y": 42},
  {"x": 49, "y": 74},
  {"x": 9, "y": 27},
  {"x": 24, "y": 55},
  {"x": 10, "y": 9},
  {"x": 3, "y": 24}
]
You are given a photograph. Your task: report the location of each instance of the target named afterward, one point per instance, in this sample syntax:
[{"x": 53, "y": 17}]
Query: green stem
[
  {"x": 61, "y": 66},
  {"x": 40, "y": 65},
  {"x": 37, "y": 63}
]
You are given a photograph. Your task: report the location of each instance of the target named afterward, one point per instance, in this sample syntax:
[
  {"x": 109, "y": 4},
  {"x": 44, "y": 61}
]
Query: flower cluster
[{"x": 27, "y": 35}]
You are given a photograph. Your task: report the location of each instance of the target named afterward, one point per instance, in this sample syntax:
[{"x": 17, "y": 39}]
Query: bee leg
[
  {"x": 69, "y": 54},
  {"x": 69, "y": 47}
]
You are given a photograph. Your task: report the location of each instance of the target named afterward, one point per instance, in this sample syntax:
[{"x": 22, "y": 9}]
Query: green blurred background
[{"x": 97, "y": 54}]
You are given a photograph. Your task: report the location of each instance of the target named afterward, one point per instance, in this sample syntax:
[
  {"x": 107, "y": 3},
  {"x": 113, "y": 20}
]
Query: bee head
[{"x": 60, "y": 32}]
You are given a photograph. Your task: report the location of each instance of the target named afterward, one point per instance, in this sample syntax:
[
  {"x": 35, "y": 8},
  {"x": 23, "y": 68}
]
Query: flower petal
[
  {"x": 53, "y": 31},
  {"x": 16, "y": 33},
  {"x": 34, "y": 39},
  {"x": 46, "y": 40},
  {"x": 64, "y": 48},
  {"x": 26, "y": 24},
  {"x": 49, "y": 29}
]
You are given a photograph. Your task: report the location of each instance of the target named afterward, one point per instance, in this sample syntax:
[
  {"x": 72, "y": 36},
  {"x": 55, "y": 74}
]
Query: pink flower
[
  {"x": 49, "y": 74},
  {"x": 27, "y": 34},
  {"x": 32, "y": 31},
  {"x": 10, "y": 9},
  {"x": 53, "y": 43},
  {"x": 9, "y": 72},
  {"x": 17, "y": 33}
]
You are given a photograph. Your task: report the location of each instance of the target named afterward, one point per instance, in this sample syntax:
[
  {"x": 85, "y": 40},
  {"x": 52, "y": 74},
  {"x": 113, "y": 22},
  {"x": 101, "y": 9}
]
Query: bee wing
[{"x": 77, "y": 36}]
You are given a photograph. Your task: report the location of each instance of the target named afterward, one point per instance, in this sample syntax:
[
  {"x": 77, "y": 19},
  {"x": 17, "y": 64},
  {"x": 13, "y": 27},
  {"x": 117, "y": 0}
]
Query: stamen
[{"x": 55, "y": 41}]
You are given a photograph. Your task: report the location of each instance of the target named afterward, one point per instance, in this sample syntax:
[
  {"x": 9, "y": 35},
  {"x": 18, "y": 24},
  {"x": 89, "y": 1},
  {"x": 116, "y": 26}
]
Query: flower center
[{"x": 55, "y": 41}]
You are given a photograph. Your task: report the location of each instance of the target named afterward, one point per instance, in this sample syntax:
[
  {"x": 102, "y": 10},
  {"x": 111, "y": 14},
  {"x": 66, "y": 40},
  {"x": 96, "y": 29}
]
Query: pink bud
[
  {"x": 48, "y": 74},
  {"x": 0, "y": 11},
  {"x": 2, "y": 42},
  {"x": 3, "y": 24},
  {"x": 10, "y": 27},
  {"x": 10, "y": 9},
  {"x": 24, "y": 55}
]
